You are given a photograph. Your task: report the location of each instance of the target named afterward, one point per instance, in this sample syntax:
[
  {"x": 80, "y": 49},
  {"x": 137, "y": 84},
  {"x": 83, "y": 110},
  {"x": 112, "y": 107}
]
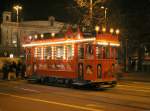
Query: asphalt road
[{"x": 22, "y": 96}]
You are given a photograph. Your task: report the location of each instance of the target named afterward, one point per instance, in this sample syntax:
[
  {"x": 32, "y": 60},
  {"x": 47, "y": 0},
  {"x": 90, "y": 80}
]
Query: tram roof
[{"x": 102, "y": 39}]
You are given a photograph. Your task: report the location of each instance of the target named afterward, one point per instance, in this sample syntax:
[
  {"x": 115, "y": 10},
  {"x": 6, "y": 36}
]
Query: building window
[{"x": 7, "y": 18}]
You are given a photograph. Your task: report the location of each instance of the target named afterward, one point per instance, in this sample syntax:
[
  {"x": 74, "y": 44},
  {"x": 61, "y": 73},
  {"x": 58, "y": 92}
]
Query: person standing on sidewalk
[
  {"x": 18, "y": 69},
  {"x": 23, "y": 70},
  {"x": 12, "y": 71},
  {"x": 5, "y": 70}
]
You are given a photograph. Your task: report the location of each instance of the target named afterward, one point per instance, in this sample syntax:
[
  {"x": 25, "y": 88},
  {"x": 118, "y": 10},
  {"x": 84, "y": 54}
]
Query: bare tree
[{"x": 93, "y": 13}]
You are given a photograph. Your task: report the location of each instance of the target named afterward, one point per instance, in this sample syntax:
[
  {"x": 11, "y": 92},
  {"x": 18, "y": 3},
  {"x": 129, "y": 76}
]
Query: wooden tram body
[{"x": 81, "y": 60}]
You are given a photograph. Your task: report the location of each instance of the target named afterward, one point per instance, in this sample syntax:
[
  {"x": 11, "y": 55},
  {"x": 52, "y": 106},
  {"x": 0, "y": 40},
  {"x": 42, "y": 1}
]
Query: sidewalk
[{"x": 136, "y": 76}]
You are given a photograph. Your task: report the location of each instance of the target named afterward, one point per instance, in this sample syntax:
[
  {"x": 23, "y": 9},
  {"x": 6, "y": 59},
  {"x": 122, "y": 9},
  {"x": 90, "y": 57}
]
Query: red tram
[{"x": 74, "y": 59}]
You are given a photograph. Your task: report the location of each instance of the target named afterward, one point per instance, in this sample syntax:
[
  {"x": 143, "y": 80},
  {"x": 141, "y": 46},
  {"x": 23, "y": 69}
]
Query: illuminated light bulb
[
  {"x": 103, "y": 29},
  {"x": 35, "y": 36},
  {"x": 111, "y": 30},
  {"x": 52, "y": 34},
  {"x": 30, "y": 37},
  {"x": 42, "y": 35},
  {"x": 58, "y": 42},
  {"x": 96, "y": 28},
  {"x": 117, "y": 31}
]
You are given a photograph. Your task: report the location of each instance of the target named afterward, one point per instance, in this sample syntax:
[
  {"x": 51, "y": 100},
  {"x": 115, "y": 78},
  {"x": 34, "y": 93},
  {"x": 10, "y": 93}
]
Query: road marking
[
  {"x": 139, "y": 87},
  {"x": 30, "y": 90},
  {"x": 93, "y": 105},
  {"x": 134, "y": 88},
  {"x": 52, "y": 102}
]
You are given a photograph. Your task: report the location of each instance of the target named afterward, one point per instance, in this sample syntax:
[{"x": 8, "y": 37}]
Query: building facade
[{"x": 13, "y": 34}]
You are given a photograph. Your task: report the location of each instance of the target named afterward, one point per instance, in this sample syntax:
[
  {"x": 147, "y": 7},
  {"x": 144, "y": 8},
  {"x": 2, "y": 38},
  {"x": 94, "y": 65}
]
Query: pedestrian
[
  {"x": 18, "y": 69},
  {"x": 23, "y": 70},
  {"x": 12, "y": 71},
  {"x": 5, "y": 70}
]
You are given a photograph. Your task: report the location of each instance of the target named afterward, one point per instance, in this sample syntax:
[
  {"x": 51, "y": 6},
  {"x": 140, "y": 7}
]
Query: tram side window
[
  {"x": 59, "y": 52},
  {"x": 44, "y": 53},
  {"x": 70, "y": 52},
  {"x": 37, "y": 53},
  {"x": 105, "y": 51},
  {"x": 99, "y": 52},
  {"x": 113, "y": 52},
  {"x": 81, "y": 52},
  {"x": 89, "y": 51},
  {"x": 47, "y": 53}
]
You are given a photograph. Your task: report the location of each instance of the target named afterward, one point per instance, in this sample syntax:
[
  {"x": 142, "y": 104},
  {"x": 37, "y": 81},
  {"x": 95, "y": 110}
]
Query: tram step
[{"x": 80, "y": 83}]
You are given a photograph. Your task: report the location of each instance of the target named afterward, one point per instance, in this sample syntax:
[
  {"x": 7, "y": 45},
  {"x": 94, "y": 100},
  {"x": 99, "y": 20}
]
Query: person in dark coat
[
  {"x": 18, "y": 69},
  {"x": 5, "y": 70},
  {"x": 13, "y": 67},
  {"x": 23, "y": 70}
]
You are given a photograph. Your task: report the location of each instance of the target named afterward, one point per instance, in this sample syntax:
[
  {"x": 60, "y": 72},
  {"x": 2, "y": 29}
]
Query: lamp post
[
  {"x": 91, "y": 9},
  {"x": 17, "y": 8},
  {"x": 105, "y": 14},
  {"x": 126, "y": 62}
]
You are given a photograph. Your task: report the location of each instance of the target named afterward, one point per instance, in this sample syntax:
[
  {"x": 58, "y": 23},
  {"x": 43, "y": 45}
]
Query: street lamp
[
  {"x": 126, "y": 62},
  {"x": 91, "y": 9},
  {"x": 17, "y": 8}
]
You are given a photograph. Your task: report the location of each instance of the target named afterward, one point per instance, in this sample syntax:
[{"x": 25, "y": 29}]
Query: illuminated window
[
  {"x": 70, "y": 52},
  {"x": 99, "y": 52},
  {"x": 47, "y": 52},
  {"x": 105, "y": 51},
  {"x": 81, "y": 52},
  {"x": 37, "y": 53},
  {"x": 59, "y": 52},
  {"x": 89, "y": 51}
]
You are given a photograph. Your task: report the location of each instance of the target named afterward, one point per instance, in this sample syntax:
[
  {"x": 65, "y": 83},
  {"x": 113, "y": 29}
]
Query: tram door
[
  {"x": 80, "y": 71},
  {"x": 80, "y": 62}
]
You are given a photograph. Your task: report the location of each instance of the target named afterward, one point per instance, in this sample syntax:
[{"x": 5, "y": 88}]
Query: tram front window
[
  {"x": 81, "y": 52},
  {"x": 99, "y": 52},
  {"x": 105, "y": 52},
  {"x": 102, "y": 52},
  {"x": 70, "y": 52}
]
